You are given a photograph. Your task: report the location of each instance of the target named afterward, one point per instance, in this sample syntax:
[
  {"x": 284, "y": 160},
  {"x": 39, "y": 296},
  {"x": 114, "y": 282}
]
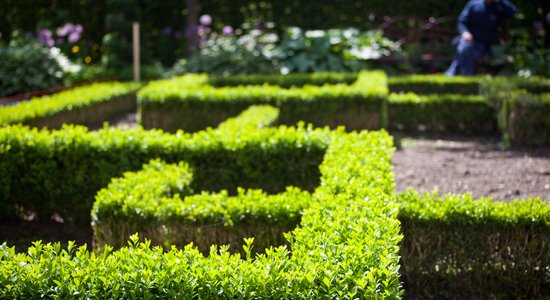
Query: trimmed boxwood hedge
[
  {"x": 59, "y": 171},
  {"x": 157, "y": 202},
  {"x": 345, "y": 247},
  {"x": 286, "y": 81},
  {"x": 171, "y": 106},
  {"x": 526, "y": 118},
  {"x": 254, "y": 117},
  {"x": 87, "y": 105},
  {"x": 450, "y": 113},
  {"x": 460, "y": 248},
  {"x": 533, "y": 85},
  {"x": 435, "y": 84}
]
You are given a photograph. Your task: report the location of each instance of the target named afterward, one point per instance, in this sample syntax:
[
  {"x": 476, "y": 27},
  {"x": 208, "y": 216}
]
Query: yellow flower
[
  {"x": 87, "y": 59},
  {"x": 75, "y": 49}
]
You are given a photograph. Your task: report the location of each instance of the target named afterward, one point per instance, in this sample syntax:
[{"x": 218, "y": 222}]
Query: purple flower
[
  {"x": 259, "y": 26},
  {"x": 177, "y": 35},
  {"x": 548, "y": 18},
  {"x": 538, "y": 26},
  {"x": 65, "y": 30},
  {"x": 44, "y": 37},
  {"x": 191, "y": 31},
  {"x": 227, "y": 30},
  {"x": 205, "y": 20},
  {"x": 201, "y": 30},
  {"x": 167, "y": 31},
  {"x": 78, "y": 28},
  {"x": 73, "y": 37}
]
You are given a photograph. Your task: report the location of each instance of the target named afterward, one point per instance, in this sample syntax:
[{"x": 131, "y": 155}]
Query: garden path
[{"x": 474, "y": 165}]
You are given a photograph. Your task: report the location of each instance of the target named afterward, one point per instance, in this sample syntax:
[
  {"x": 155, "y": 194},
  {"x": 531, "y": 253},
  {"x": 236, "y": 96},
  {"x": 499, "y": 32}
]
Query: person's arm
[
  {"x": 462, "y": 23},
  {"x": 508, "y": 9}
]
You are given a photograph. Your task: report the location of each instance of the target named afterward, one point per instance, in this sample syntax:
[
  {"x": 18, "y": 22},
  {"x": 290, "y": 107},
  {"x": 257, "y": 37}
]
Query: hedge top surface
[
  {"x": 254, "y": 117},
  {"x": 435, "y": 98},
  {"x": 500, "y": 84},
  {"x": 345, "y": 247},
  {"x": 461, "y": 209},
  {"x": 286, "y": 81},
  {"x": 161, "y": 192},
  {"x": 434, "y": 79},
  {"x": 368, "y": 83},
  {"x": 63, "y": 101}
]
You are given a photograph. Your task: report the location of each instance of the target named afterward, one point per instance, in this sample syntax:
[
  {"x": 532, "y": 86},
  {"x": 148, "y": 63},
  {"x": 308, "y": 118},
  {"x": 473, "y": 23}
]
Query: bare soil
[{"x": 472, "y": 165}]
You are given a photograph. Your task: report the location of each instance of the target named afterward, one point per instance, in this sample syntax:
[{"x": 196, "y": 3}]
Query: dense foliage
[
  {"x": 340, "y": 249},
  {"x": 27, "y": 67},
  {"x": 450, "y": 113},
  {"x": 66, "y": 103},
  {"x": 167, "y": 105},
  {"x": 435, "y": 84},
  {"x": 290, "y": 80},
  {"x": 458, "y": 247},
  {"x": 48, "y": 172},
  {"x": 297, "y": 51}
]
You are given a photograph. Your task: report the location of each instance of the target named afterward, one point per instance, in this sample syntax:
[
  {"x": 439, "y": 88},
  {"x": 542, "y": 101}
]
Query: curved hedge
[
  {"x": 59, "y": 172},
  {"x": 345, "y": 247},
  {"x": 157, "y": 202}
]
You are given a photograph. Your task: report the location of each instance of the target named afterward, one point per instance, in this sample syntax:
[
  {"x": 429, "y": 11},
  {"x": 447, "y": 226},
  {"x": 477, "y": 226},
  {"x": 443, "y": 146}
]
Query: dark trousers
[{"x": 468, "y": 53}]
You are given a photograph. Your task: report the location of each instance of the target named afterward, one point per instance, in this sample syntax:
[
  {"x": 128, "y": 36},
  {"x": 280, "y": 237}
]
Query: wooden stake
[{"x": 135, "y": 34}]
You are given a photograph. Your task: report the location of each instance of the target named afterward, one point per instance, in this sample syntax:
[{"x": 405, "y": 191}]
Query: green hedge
[
  {"x": 285, "y": 81},
  {"x": 533, "y": 85},
  {"x": 87, "y": 105},
  {"x": 345, "y": 247},
  {"x": 50, "y": 172},
  {"x": 463, "y": 114},
  {"x": 526, "y": 118},
  {"x": 460, "y": 248},
  {"x": 156, "y": 202},
  {"x": 435, "y": 84},
  {"x": 170, "y": 106},
  {"x": 256, "y": 116}
]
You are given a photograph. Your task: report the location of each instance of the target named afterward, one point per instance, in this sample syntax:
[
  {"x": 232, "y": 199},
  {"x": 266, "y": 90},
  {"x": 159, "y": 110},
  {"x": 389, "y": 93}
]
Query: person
[{"x": 478, "y": 27}]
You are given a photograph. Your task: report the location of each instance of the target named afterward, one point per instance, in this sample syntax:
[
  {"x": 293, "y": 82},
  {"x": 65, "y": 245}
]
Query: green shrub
[
  {"x": 285, "y": 81},
  {"x": 345, "y": 247},
  {"x": 527, "y": 118},
  {"x": 332, "y": 50},
  {"x": 534, "y": 85},
  {"x": 457, "y": 247},
  {"x": 89, "y": 105},
  {"x": 171, "y": 106},
  {"x": 49, "y": 172},
  {"x": 27, "y": 67},
  {"x": 255, "y": 116},
  {"x": 434, "y": 84},
  {"x": 441, "y": 113},
  {"x": 156, "y": 202},
  {"x": 230, "y": 54}
]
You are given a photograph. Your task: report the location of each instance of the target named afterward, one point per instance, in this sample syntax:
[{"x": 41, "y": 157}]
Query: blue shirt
[{"x": 482, "y": 20}]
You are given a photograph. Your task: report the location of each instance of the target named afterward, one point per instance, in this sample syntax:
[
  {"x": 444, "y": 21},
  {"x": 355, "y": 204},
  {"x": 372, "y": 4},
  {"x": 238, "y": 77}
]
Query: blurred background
[{"x": 49, "y": 43}]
